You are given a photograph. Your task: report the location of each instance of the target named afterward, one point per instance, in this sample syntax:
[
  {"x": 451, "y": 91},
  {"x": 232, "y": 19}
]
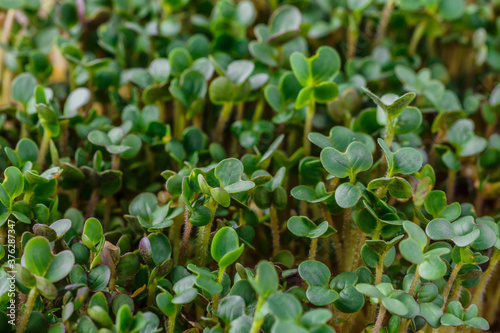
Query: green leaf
[
  {"x": 265, "y": 282},
  {"x": 315, "y": 273},
  {"x": 347, "y": 195},
  {"x": 92, "y": 233},
  {"x": 284, "y": 306},
  {"x": 357, "y": 158},
  {"x": 300, "y": 68},
  {"x": 397, "y": 107},
  {"x": 302, "y": 226},
  {"x": 23, "y": 87},
  {"x": 76, "y": 99},
  {"x": 225, "y": 248},
  {"x": 461, "y": 136}
]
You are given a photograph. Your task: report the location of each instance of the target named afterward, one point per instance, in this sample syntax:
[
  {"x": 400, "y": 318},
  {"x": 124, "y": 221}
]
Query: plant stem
[
  {"x": 414, "y": 282},
  {"x": 275, "y": 230},
  {"x": 313, "y": 249},
  {"x": 357, "y": 253},
  {"x": 204, "y": 236},
  {"x": 44, "y": 147},
  {"x": 175, "y": 237},
  {"x": 449, "y": 285},
  {"x": 335, "y": 236},
  {"x": 380, "y": 319},
  {"x": 308, "y": 127},
  {"x": 379, "y": 271},
  {"x": 352, "y": 36},
  {"x": 257, "y": 322},
  {"x": 179, "y": 120},
  {"x": 221, "y": 122},
  {"x": 450, "y": 185},
  {"x": 384, "y": 22},
  {"x": 28, "y": 308},
  {"x": 94, "y": 199},
  {"x": 389, "y": 131},
  {"x": 259, "y": 108},
  {"x": 185, "y": 236},
  {"x": 485, "y": 279},
  {"x": 115, "y": 162},
  {"x": 492, "y": 310},
  {"x": 215, "y": 298},
  {"x": 171, "y": 323},
  {"x": 346, "y": 230},
  {"x": 151, "y": 292},
  {"x": 417, "y": 35}
]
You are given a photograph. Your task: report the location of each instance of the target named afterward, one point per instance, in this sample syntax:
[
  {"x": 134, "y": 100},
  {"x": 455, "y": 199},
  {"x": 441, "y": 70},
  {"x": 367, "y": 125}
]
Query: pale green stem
[
  {"x": 203, "y": 239},
  {"x": 257, "y": 322},
  {"x": 313, "y": 249},
  {"x": 380, "y": 319},
  {"x": 28, "y": 308},
  {"x": 171, "y": 323},
  {"x": 44, "y": 147},
  {"x": 449, "y": 285},
  {"x": 259, "y": 108},
  {"x": 485, "y": 279},
  {"x": 308, "y": 127},
  {"x": 221, "y": 123},
  {"x": 384, "y": 21},
  {"x": 216, "y": 297},
  {"x": 417, "y": 35},
  {"x": 179, "y": 120}
]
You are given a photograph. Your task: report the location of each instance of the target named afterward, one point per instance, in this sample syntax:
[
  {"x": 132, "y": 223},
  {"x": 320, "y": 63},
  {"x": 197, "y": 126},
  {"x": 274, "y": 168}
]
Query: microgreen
[{"x": 249, "y": 166}]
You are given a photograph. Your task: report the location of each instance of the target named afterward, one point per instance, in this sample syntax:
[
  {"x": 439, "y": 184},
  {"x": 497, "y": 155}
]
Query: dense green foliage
[{"x": 250, "y": 166}]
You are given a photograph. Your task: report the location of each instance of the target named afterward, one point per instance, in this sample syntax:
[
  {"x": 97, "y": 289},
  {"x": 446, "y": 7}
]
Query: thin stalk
[
  {"x": 204, "y": 236},
  {"x": 216, "y": 297},
  {"x": 179, "y": 120},
  {"x": 313, "y": 249},
  {"x": 384, "y": 21},
  {"x": 185, "y": 236},
  {"x": 378, "y": 229},
  {"x": 94, "y": 199},
  {"x": 450, "y": 184},
  {"x": 357, "y": 253},
  {"x": 221, "y": 122},
  {"x": 492, "y": 310},
  {"x": 389, "y": 131},
  {"x": 380, "y": 319},
  {"x": 379, "y": 271},
  {"x": 257, "y": 322},
  {"x": 275, "y": 230},
  {"x": 485, "y": 279},
  {"x": 115, "y": 162},
  {"x": 151, "y": 293},
  {"x": 414, "y": 282},
  {"x": 240, "y": 111},
  {"x": 171, "y": 323},
  {"x": 28, "y": 308},
  {"x": 308, "y": 127},
  {"x": 352, "y": 37},
  {"x": 404, "y": 322},
  {"x": 6, "y": 29},
  {"x": 259, "y": 108},
  {"x": 335, "y": 236},
  {"x": 449, "y": 285},
  {"x": 417, "y": 35},
  {"x": 44, "y": 148},
  {"x": 175, "y": 237},
  {"x": 346, "y": 230}
]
